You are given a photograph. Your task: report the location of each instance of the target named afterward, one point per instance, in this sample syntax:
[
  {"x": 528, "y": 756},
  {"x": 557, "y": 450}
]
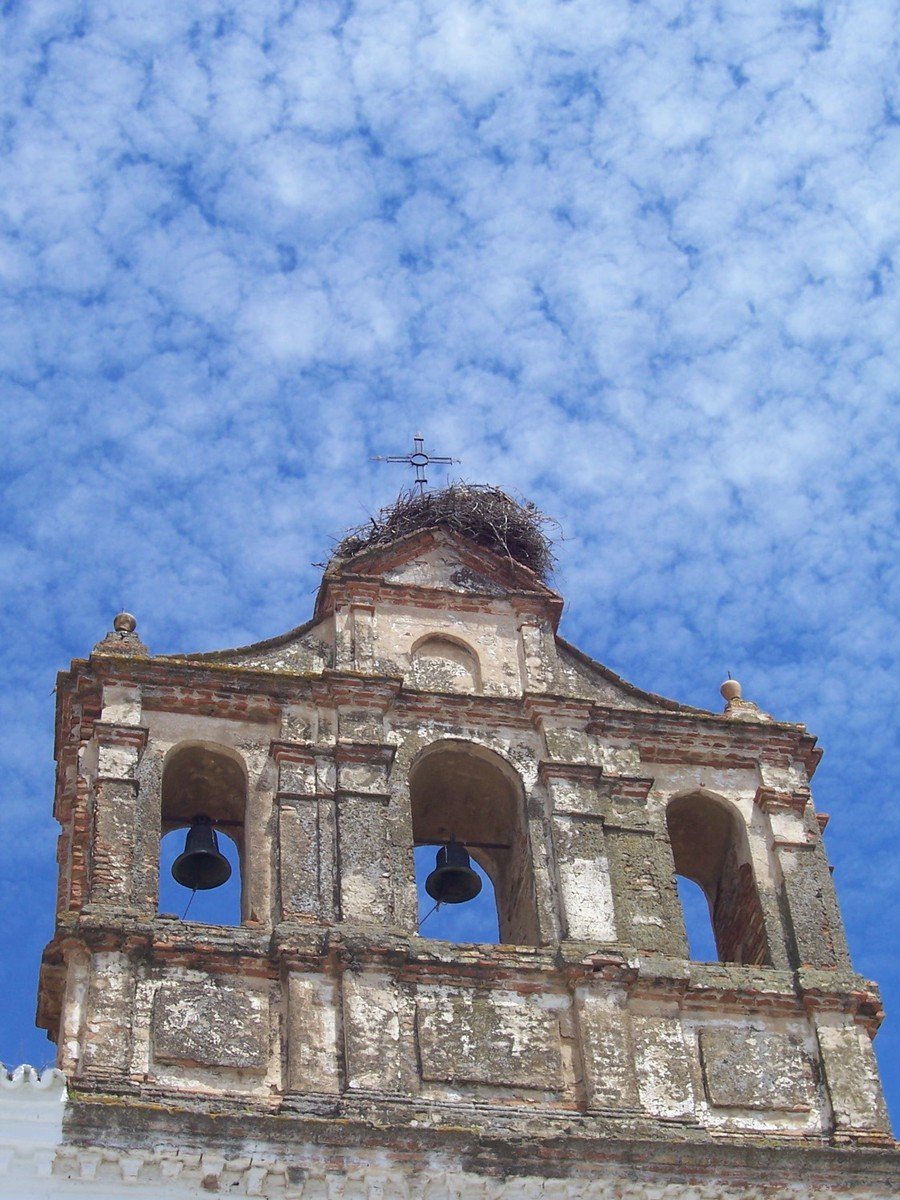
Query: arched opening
[
  {"x": 710, "y": 848},
  {"x": 203, "y": 781},
  {"x": 460, "y": 791},
  {"x": 444, "y": 664}
]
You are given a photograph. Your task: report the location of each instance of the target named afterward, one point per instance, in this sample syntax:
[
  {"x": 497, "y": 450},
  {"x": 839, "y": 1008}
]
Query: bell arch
[
  {"x": 440, "y": 662},
  {"x": 465, "y": 792},
  {"x": 710, "y": 847},
  {"x": 207, "y": 781}
]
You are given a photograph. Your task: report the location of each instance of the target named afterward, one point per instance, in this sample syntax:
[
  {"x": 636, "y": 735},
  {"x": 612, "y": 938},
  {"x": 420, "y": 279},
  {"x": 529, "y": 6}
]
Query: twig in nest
[{"x": 485, "y": 515}]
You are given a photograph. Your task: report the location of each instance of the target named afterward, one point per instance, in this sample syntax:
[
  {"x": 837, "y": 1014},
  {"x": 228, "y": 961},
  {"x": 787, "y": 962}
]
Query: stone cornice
[
  {"x": 550, "y": 710},
  {"x": 254, "y": 950},
  {"x": 111, "y": 734},
  {"x": 688, "y": 737},
  {"x": 224, "y": 689},
  {"x": 566, "y": 1156},
  {"x": 449, "y": 708},
  {"x": 352, "y": 590},
  {"x": 550, "y": 769},
  {"x": 353, "y": 689},
  {"x": 347, "y": 752},
  {"x": 771, "y": 800}
]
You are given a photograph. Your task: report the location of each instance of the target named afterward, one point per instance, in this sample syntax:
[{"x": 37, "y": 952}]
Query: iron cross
[{"x": 419, "y": 458}]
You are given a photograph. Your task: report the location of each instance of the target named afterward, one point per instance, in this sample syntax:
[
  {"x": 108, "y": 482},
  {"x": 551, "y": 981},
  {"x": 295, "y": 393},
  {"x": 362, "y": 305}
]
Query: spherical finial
[
  {"x": 731, "y": 690},
  {"x": 124, "y": 623}
]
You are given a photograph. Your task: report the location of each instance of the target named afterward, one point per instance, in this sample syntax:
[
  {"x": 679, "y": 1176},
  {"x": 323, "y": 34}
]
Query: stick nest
[{"x": 481, "y": 514}]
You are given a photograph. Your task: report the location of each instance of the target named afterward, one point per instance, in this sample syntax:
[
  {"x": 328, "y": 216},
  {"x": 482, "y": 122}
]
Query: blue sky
[{"x": 635, "y": 261}]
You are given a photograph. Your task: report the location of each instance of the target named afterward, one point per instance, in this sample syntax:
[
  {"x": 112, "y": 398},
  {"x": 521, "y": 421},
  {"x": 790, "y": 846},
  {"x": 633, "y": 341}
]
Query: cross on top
[{"x": 419, "y": 458}]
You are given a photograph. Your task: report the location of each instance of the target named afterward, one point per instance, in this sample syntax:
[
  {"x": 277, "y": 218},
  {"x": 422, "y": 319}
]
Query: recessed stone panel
[
  {"x": 495, "y": 1039},
  {"x": 211, "y": 1024},
  {"x": 747, "y": 1068}
]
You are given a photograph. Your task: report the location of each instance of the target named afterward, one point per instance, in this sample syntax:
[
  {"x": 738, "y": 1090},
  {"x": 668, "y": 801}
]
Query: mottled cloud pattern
[{"x": 637, "y": 261}]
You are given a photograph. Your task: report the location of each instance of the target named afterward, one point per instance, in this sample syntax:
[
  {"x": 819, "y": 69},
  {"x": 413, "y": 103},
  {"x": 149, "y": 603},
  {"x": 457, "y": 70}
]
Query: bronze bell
[
  {"x": 202, "y": 865},
  {"x": 452, "y": 881}
]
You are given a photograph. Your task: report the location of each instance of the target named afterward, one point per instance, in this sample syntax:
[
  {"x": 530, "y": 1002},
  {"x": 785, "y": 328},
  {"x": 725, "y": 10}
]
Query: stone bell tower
[{"x": 320, "y": 1047}]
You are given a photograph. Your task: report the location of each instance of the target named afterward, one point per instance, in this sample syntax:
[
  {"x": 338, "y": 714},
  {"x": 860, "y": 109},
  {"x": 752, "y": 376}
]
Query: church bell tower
[{"x": 323, "y": 1045}]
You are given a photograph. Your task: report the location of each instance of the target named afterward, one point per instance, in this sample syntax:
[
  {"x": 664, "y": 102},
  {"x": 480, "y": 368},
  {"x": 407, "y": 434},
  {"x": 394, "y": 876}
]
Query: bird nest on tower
[{"x": 480, "y": 513}]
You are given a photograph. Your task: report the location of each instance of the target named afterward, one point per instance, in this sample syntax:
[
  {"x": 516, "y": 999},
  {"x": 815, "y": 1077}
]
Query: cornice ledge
[{"x": 771, "y": 799}]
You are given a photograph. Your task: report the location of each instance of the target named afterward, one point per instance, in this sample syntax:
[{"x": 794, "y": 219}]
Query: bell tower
[{"x": 322, "y": 1045}]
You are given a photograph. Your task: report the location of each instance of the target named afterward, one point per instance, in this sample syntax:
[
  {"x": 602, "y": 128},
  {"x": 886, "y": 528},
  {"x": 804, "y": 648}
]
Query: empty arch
[
  {"x": 710, "y": 847},
  {"x": 461, "y": 790}
]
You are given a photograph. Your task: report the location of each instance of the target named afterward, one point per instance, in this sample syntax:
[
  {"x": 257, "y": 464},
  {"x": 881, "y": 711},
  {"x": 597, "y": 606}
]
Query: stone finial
[
  {"x": 122, "y": 639},
  {"x": 737, "y": 707}
]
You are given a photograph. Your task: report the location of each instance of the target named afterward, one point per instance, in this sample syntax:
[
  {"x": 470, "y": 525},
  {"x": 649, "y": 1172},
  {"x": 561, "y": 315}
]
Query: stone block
[
  {"x": 312, "y": 1034},
  {"x": 298, "y": 836},
  {"x": 584, "y": 879},
  {"x": 569, "y": 745},
  {"x": 648, "y": 912},
  {"x": 372, "y": 1025},
  {"x": 578, "y": 797},
  {"x": 360, "y": 725},
  {"x": 852, "y": 1075},
  {"x": 121, "y": 704},
  {"x": 607, "y": 1051},
  {"x": 211, "y": 1024},
  {"x": 663, "y": 1070},
  {"x": 366, "y": 892},
  {"x": 364, "y": 777},
  {"x": 496, "y": 1038},
  {"x": 748, "y": 1068},
  {"x": 296, "y": 724},
  {"x": 113, "y": 841},
  {"x": 110, "y": 1005},
  {"x": 816, "y": 924},
  {"x": 296, "y": 778},
  {"x": 117, "y": 762}
]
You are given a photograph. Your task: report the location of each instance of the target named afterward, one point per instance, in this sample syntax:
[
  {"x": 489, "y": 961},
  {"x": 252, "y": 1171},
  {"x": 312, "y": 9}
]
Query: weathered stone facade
[{"x": 329, "y": 1048}]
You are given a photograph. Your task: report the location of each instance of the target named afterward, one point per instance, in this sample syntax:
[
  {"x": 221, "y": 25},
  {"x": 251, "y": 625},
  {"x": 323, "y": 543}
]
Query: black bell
[
  {"x": 452, "y": 881},
  {"x": 202, "y": 865}
]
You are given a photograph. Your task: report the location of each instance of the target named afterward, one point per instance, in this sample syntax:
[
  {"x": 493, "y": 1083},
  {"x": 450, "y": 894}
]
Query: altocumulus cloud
[{"x": 635, "y": 260}]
